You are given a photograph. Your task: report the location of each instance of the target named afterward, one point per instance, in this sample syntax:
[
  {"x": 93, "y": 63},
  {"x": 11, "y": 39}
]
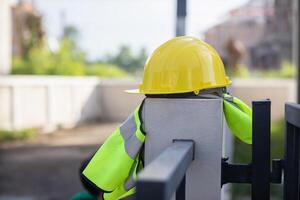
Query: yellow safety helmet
[{"x": 180, "y": 65}]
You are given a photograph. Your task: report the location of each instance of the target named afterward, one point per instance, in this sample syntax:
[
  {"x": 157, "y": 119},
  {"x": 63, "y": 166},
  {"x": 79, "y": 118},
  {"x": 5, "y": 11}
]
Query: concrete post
[
  {"x": 228, "y": 151},
  {"x": 198, "y": 119},
  {"x": 228, "y": 148},
  {"x": 5, "y": 37}
]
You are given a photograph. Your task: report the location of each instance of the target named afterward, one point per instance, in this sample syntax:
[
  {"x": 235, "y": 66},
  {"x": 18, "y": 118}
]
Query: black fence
[
  {"x": 166, "y": 174},
  {"x": 292, "y": 152}
]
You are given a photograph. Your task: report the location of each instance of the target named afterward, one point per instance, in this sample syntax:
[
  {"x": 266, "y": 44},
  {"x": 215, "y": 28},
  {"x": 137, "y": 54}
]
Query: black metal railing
[
  {"x": 260, "y": 167},
  {"x": 258, "y": 172},
  {"x": 166, "y": 174},
  {"x": 292, "y": 152}
]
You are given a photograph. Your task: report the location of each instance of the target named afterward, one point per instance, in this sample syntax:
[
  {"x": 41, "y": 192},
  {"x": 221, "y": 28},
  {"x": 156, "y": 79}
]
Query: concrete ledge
[
  {"x": 278, "y": 91},
  {"x": 115, "y": 103}
]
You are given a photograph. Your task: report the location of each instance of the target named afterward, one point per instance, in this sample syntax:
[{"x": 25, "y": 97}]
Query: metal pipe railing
[{"x": 166, "y": 174}]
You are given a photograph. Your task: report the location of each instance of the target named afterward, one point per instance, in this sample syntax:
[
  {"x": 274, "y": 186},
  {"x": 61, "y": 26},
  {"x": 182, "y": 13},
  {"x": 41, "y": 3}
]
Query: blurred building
[
  {"x": 26, "y": 27},
  {"x": 276, "y": 45},
  {"x": 262, "y": 26},
  {"x": 21, "y": 28},
  {"x": 5, "y": 37}
]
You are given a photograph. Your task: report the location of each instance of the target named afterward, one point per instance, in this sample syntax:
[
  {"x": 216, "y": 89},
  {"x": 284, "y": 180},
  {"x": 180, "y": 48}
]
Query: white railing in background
[{"x": 51, "y": 101}]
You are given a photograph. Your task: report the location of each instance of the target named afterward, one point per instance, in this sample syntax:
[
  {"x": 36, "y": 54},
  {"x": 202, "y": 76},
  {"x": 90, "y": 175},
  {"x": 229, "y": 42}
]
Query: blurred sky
[{"x": 106, "y": 24}]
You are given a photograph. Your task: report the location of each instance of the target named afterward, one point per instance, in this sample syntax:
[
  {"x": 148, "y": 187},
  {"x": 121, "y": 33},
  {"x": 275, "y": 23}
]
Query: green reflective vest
[
  {"x": 238, "y": 116},
  {"x": 114, "y": 166}
]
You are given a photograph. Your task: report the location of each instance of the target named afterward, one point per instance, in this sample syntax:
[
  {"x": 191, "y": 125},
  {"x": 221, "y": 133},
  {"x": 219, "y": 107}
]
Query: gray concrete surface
[
  {"x": 200, "y": 120},
  {"x": 41, "y": 172},
  {"x": 47, "y": 168}
]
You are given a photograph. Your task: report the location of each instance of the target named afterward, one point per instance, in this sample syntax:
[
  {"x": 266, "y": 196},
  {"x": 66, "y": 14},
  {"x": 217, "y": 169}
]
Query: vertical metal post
[
  {"x": 180, "y": 192},
  {"x": 291, "y": 173},
  {"x": 261, "y": 150},
  {"x": 296, "y": 53},
  {"x": 180, "y": 17},
  {"x": 292, "y": 153}
]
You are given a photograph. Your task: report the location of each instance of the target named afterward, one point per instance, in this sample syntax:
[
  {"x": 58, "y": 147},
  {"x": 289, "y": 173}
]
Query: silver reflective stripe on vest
[
  {"x": 132, "y": 143},
  {"x": 130, "y": 183},
  {"x": 128, "y": 127},
  {"x": 133, "y": 146}
]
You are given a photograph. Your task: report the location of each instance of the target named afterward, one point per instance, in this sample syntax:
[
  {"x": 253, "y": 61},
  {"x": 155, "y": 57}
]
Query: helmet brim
[{"x": 133, "y": 91}]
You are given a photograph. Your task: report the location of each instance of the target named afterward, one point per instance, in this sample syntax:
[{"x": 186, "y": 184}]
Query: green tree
[
  {"x": 71, "y": 32},
  {"x": 68, "y": 60},
  {"x": 127, "y": 60},
  {"x": 105, "y": 70}
]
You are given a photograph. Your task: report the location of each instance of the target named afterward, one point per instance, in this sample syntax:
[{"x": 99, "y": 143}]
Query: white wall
[
  {"x": 5, "y": 37},
  {"x": 279, "y": 91},
  {"x": 115, "y": 103},
  {"x": 49, "y": 101}
]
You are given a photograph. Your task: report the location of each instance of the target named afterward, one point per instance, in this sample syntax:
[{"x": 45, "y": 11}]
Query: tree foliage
[
  {"x": 106, "y": 70},
  {"x": 127, "y": 60},
  {"x": 70, "y": 59}
]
